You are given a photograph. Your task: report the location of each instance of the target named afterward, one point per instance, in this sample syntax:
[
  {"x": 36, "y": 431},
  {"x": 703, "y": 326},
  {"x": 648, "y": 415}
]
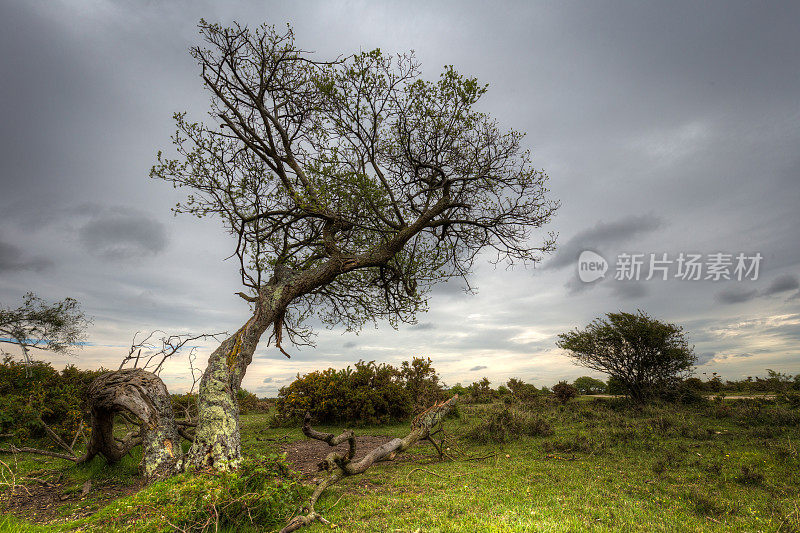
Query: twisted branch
[{"x": 341, "y": 465}]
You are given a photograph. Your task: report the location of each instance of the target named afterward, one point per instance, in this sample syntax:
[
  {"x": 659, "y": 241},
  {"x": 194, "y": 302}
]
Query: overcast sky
[{"x": 664, "y": 128}]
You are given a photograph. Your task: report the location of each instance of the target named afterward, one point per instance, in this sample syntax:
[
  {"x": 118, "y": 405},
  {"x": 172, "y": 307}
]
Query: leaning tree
[
  {"x": 642, "y": 354},
  {"x": 350, "y": 187},
  {"x": 57, "y": 327}
]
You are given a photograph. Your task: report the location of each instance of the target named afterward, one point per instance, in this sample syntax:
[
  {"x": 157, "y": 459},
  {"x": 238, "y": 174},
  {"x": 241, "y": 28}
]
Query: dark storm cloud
[
  {"x": 602, "y": 235},
  {"x": 123, "y": 235},
  {"x": 14, "y": 259},
  {"x": 736, "y": 295},
  {"x": 476, "y": 368},
  {"x": 661, "y": 108},
  {"x": 787, "y": 282}
]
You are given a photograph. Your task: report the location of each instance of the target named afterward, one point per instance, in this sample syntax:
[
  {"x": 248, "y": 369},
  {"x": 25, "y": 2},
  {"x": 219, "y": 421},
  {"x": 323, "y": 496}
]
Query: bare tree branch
[{"x": 340, "y": 466}]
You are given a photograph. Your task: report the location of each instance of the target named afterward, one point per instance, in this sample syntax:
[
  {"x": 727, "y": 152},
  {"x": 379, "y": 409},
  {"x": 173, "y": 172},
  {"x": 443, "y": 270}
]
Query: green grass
[{"x": 725, "y": 466}]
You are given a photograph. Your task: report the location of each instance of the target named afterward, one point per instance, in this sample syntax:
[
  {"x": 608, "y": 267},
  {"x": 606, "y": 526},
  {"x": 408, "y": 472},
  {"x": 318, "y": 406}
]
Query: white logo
[{"x": 591, "y": 266}]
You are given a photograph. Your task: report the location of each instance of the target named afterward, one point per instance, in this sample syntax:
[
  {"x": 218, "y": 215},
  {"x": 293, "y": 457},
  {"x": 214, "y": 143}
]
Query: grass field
[{"x": 722, "y": 466}]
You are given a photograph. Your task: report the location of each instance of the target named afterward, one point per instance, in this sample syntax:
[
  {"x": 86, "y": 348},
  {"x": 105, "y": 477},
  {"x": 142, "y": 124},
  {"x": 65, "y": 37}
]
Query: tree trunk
[
  {"x": 143, "y": 395},
  {"x": 217, "y": 441}
]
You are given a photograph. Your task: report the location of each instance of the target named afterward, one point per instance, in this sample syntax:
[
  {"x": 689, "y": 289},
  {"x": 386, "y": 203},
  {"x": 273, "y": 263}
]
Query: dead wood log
[
  {"x": 144, "y": 396},
  {"x": 341, "y": 465}
]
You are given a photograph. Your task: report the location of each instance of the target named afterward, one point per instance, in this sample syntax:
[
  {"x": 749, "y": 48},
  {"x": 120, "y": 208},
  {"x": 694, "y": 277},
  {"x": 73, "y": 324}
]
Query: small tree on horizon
[
  {"x": 590, "y": 385},
  {"x": 641, "y": 353}
]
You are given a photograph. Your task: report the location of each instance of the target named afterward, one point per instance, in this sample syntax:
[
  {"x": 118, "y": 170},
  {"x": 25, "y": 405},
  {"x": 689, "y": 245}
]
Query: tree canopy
[
  {"x": 589, "y": 385},
  {"x": 351, "y": 186},
  {"x": 359, "y": 162},
  {"x": 640, "y": 352},
  {"x": 58, "y": 327}
]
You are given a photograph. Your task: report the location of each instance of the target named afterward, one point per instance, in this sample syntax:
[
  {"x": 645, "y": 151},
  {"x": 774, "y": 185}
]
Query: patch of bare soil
[
  {"x": 57, "y": 502},
  {"x": 305, "y": 455}
]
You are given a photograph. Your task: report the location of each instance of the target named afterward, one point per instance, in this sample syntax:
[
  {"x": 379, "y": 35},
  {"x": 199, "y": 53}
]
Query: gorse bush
[
  {"x": 564, "y": 392},
  {"x": 30, "y": 391},
  {"x": 481, "y": 391},
  {"x": 366, "y": 393},
  {"x": 522, "y": 391},
  {"x": 421, "y": 382}
]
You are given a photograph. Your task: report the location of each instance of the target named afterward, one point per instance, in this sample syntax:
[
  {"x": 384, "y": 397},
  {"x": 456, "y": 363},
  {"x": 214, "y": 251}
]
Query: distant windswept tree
[
  {"x": 350, "y": 187},
  {"x": 57, "y": 327},
  {"x": 639, "y": 352}
]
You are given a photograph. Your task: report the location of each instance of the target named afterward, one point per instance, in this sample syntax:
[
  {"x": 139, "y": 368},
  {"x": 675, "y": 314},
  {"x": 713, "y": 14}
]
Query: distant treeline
[{"x": 366, "y": 393}]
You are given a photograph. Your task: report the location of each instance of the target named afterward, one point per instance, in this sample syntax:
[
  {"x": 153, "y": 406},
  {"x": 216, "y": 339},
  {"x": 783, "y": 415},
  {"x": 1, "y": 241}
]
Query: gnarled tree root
[{"x": 341, "y": 465}]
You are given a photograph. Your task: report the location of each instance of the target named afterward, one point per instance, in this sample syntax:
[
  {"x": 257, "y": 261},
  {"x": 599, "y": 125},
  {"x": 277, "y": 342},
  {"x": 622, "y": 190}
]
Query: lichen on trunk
[{"x": 217, "y": 442}]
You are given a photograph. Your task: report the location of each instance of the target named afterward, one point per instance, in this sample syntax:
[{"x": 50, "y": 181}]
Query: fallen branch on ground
[{"x": 341, "y": 465}]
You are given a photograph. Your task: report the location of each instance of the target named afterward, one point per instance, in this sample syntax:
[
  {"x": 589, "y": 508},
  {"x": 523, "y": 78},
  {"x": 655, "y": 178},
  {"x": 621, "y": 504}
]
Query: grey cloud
[
  {"x": 628, "y": 290},
  {"x": 451, "y": 289},
  {"x": 575, "y": 286},
  {"x": 268, "y": 380},
  {"x": 653, "y": 115},
  {"x": 350, "y": 344},
  {"x": 476, "y": 368},
  {"x": 704, "y": 357},
  {"x": 787, "y": 282},
  {"x": 13, "y": 259},
  {"x": 789, "y": 332},
  {"x": 123, "y": 235},
  {"x": 602, "y": 235},
  {"x": 424, "y": 326},
  {"x": 736, "y": 295}
]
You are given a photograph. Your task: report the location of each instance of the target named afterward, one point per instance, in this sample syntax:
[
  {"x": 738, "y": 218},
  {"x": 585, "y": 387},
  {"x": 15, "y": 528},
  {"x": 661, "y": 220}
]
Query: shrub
[
  {"x": 185, "y": 405},
  {"x": 685, "y": 392},
  {"x": 249, "y": 403},
  {"x": 457, "y": 389},
  {"x": 564, "y": 392},
  {"x": 481, "y": 391},
  {"x": 507, "y": 424},
  {"x": 366, "y": 394},
  {"x": 791, "y": 398},
  {"x": 28, "y": 391},
  {"x": 421, "y": 382},
  {"x": 522, "y": 391}
]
